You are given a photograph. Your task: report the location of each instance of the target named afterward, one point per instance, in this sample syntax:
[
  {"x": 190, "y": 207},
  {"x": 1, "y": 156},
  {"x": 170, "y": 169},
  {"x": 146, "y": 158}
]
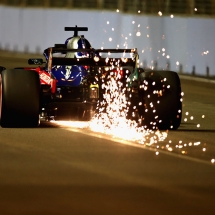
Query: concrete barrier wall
[{"x": 179, "y": 43}]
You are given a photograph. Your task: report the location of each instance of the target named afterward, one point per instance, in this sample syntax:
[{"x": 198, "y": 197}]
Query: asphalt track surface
[{"x": 56, "y": 169}]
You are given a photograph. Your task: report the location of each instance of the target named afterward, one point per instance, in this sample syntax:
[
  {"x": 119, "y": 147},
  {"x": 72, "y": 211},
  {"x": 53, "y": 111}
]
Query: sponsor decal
[{"x": 45, "y": 78}]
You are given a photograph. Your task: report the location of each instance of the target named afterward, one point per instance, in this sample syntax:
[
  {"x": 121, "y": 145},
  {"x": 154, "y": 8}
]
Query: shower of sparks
[
  {"x": 112, "y": 118},
  {"x": 196, "y": 143},
  {"x": 76, "y": 124}
]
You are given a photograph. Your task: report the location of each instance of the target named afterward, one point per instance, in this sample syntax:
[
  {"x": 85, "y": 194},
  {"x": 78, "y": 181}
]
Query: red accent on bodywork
[
  {"x": 53, "y": 85},
  {"x": 45, "y": 78}
]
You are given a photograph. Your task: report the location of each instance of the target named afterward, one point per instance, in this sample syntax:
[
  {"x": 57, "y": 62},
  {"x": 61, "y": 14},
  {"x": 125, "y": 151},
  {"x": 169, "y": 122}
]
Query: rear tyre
[
  {"x": 162, "y": 100},
  {"x": 19, "y": 98}
]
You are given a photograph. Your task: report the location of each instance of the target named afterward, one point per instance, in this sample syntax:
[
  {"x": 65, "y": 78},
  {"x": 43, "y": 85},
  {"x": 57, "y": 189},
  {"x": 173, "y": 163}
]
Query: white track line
[
  {"x": 193, "y": 78},
  {"x": 133, "y": 144}
]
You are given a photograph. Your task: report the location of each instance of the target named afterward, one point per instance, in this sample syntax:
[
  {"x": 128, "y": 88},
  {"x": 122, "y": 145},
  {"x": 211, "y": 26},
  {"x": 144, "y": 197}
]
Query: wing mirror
[{"x": 36, "y": 61}]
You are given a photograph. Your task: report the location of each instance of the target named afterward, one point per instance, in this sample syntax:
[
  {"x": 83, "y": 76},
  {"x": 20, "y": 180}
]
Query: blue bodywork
[{"x": 71, "y": 75}]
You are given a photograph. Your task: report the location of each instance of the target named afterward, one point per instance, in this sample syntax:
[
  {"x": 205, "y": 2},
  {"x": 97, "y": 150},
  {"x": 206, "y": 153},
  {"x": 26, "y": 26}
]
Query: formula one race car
[{"x": 71, "y": 84}]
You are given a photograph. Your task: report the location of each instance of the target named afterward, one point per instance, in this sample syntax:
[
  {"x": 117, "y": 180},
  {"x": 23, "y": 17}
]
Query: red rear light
[
  {"x": 119, "y": 73},
  {"x": 86, "y": 67}
]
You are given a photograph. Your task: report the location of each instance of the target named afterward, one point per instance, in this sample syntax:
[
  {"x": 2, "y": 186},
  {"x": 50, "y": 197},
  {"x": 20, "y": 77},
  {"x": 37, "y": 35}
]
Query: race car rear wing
[
  {"x": 58, "y": 50},
  {"x": 94, "y": 58}
]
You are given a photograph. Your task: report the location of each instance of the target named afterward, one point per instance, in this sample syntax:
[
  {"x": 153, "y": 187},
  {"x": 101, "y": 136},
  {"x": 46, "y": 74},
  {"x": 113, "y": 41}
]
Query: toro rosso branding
[{"x": 46, "y": 79}]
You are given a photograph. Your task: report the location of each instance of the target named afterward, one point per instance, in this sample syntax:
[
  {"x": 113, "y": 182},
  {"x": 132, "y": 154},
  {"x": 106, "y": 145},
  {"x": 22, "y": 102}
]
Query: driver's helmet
[{"x": 78, "y": 42}]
